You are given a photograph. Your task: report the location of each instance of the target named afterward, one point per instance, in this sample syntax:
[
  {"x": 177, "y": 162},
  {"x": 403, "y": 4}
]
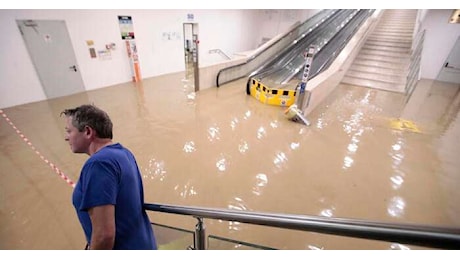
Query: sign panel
[{"x": 126, "y": 27}]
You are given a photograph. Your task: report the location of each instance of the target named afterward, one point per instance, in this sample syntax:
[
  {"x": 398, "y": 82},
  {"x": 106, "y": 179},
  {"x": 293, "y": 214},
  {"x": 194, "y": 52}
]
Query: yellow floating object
[
  {"x": 404, "y": 125},
  {"x": 271, "y": 96}
]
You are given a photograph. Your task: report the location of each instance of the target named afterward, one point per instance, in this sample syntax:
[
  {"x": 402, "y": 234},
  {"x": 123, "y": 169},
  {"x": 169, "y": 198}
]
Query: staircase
[{"x": 384, "y": 59}]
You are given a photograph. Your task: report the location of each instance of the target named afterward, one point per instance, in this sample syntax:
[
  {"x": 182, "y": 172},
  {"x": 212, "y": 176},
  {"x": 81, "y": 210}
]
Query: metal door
[
  {"x": 191, "y": 53},
  {"x": 52, "y": 54},
  {"x": 450, "y": 72}
]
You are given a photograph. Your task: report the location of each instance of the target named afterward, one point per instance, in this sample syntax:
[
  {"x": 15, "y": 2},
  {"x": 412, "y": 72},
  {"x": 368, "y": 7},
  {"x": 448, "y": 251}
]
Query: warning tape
[{"x": 26, "y": 140}]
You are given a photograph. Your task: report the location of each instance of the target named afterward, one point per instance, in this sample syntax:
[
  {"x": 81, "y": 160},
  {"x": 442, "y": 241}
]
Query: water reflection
[
  {"x": 231, "y": 156},
  {"x": 261, "y": 132},
  {"x": 247, "y": 115},
  {"x": 320, "y": 123},
  {"x": 352, "y": 148},
  {"x": 397, "y": 156},
  {"x": 222, "y": 163},
  {"x": 327, "y": 212},
  {"x": 191, "y": 97},
  {"x": 234, "y": 123},
  {"x": 312, "y": 247},
  {"x": 243, "y": 146},
  {"x": 294, "y": 146},
  {"x": 280, "y": 160},
  {"x": 274, "y": 123},
  {"x": 355, "y": 126},
  {"x": 396, "y": 207},
  {"x": 189, "y": 147},
  {"x": 234, "y": 226},
  {"x": 397, "y": 181},
  {"x": 185, "y": 191},
  {"x": 213, "y": 133},
  {"x": 395, "y": 246},
  {"x": 155, "y": 170},
  {"x": 347, "y": 162},
  {"x": 326, "y": 209},
  {"x": 236, "y": 204},
  {"x": 261, "y": 182}
]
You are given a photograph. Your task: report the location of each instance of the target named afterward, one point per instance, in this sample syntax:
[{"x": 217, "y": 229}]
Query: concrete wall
[
  {"x": 232, "y": 31},
  {"x": 440, "y": 38},
  {"x": 159, "y": 39},
  {"x": 223, "y": 29}
]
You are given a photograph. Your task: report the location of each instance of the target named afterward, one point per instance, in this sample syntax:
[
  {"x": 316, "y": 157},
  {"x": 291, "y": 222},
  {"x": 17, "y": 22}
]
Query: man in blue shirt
[{"x": 109, "y": 195}]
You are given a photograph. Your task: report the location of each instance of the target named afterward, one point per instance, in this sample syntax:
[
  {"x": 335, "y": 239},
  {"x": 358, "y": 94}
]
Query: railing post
[{"x": 199, "y": 242}]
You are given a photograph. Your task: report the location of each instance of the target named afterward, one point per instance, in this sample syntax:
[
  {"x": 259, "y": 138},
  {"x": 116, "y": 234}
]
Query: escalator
[{"x": 275, "y": 82}]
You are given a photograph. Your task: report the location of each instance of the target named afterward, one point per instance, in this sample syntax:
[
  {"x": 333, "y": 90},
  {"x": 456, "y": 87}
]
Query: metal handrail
[
  {"x": 426, "y": 236},
  {"x": 413, "y": 73},
  {"x": 266, "y": 51},
  {"x": 219, "y": 51}
]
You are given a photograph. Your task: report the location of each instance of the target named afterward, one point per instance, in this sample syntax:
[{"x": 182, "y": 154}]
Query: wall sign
[{"x": 126, "y": 27}]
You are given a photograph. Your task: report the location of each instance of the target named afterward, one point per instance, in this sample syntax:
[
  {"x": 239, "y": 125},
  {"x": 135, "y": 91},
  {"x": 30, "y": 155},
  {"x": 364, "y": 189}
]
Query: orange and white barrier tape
[{"x": 26, "y": 140}]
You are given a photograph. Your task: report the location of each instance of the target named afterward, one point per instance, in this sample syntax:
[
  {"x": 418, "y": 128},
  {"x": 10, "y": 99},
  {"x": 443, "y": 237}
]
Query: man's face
[{"x": 78, "y": 141}]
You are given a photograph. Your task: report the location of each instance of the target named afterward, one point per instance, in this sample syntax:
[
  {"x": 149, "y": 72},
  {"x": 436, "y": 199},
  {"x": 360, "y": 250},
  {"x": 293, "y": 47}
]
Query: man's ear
[{"x": 89, "y": 132}]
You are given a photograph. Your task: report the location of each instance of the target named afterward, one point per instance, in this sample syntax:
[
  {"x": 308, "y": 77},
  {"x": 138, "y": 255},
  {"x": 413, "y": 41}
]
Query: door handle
[{"x": 74, "y": 67}]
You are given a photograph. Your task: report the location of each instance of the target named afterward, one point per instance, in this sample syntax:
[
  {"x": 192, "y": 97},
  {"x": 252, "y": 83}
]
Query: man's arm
[{"x": 103, "y": 222}]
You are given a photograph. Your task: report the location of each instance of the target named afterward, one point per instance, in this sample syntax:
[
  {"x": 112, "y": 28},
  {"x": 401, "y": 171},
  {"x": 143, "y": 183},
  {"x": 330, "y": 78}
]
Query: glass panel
[
  {"x": 221, "y": 243},
  {"x": 171, "y": 238}
]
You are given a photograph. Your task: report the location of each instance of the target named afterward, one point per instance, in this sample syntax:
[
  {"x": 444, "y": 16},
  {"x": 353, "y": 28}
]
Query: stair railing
[
  {"x": 427, "y": 236},
  {"x": 413, "y": 74},
  {"x": 219, "y": 51}
]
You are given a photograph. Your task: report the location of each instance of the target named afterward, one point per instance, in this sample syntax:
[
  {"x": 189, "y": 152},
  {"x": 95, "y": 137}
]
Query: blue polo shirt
[{"x": 111, "y": 176}]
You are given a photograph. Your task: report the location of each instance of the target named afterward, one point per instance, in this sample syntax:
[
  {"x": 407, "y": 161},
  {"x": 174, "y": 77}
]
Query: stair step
[
  {"x": 374, "y": 84},
  {"x": 376, "y": 76},
  {"x": 383, "y": 61},
  {"x": 408, "y": 13},
  {"x": 376, "y": 69},
  {"x": 390, "y": 42},
  {"x": 402, "y": 16},
  {"x": 390, "y": 38},
  {"x": 394, "y": 32},
  {"x": 380, "y": 64},
  {"x": 396, "y": 29},
  {"x": 392, "y": 49},
  {"x": 394, "y": 22},
  {"x": 384, "y": 53},
  {"x": 375, "y": 43},
  {"x": 388, "y": 34},
  {"x": 397, "y": 61}
]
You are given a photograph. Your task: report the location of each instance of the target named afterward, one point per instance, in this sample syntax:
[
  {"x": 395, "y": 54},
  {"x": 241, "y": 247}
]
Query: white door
[
  {"x": 450, "y": 72},
  {"x": 52, "y": 54}
]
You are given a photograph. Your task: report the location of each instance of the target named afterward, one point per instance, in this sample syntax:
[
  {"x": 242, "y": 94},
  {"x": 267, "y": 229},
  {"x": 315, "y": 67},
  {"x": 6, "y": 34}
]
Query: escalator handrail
[{"x": 261, "y": 51}]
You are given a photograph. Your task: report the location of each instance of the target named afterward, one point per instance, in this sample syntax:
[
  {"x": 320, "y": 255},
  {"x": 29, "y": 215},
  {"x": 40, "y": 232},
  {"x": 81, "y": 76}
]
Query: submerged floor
[{"x": 369, "y": 154}]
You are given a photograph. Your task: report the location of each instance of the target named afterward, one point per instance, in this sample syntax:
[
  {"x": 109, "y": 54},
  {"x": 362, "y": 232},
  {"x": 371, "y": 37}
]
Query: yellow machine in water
[
  {"x": 271, "y": 96},
  {"x": 285, "y": 97}
]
